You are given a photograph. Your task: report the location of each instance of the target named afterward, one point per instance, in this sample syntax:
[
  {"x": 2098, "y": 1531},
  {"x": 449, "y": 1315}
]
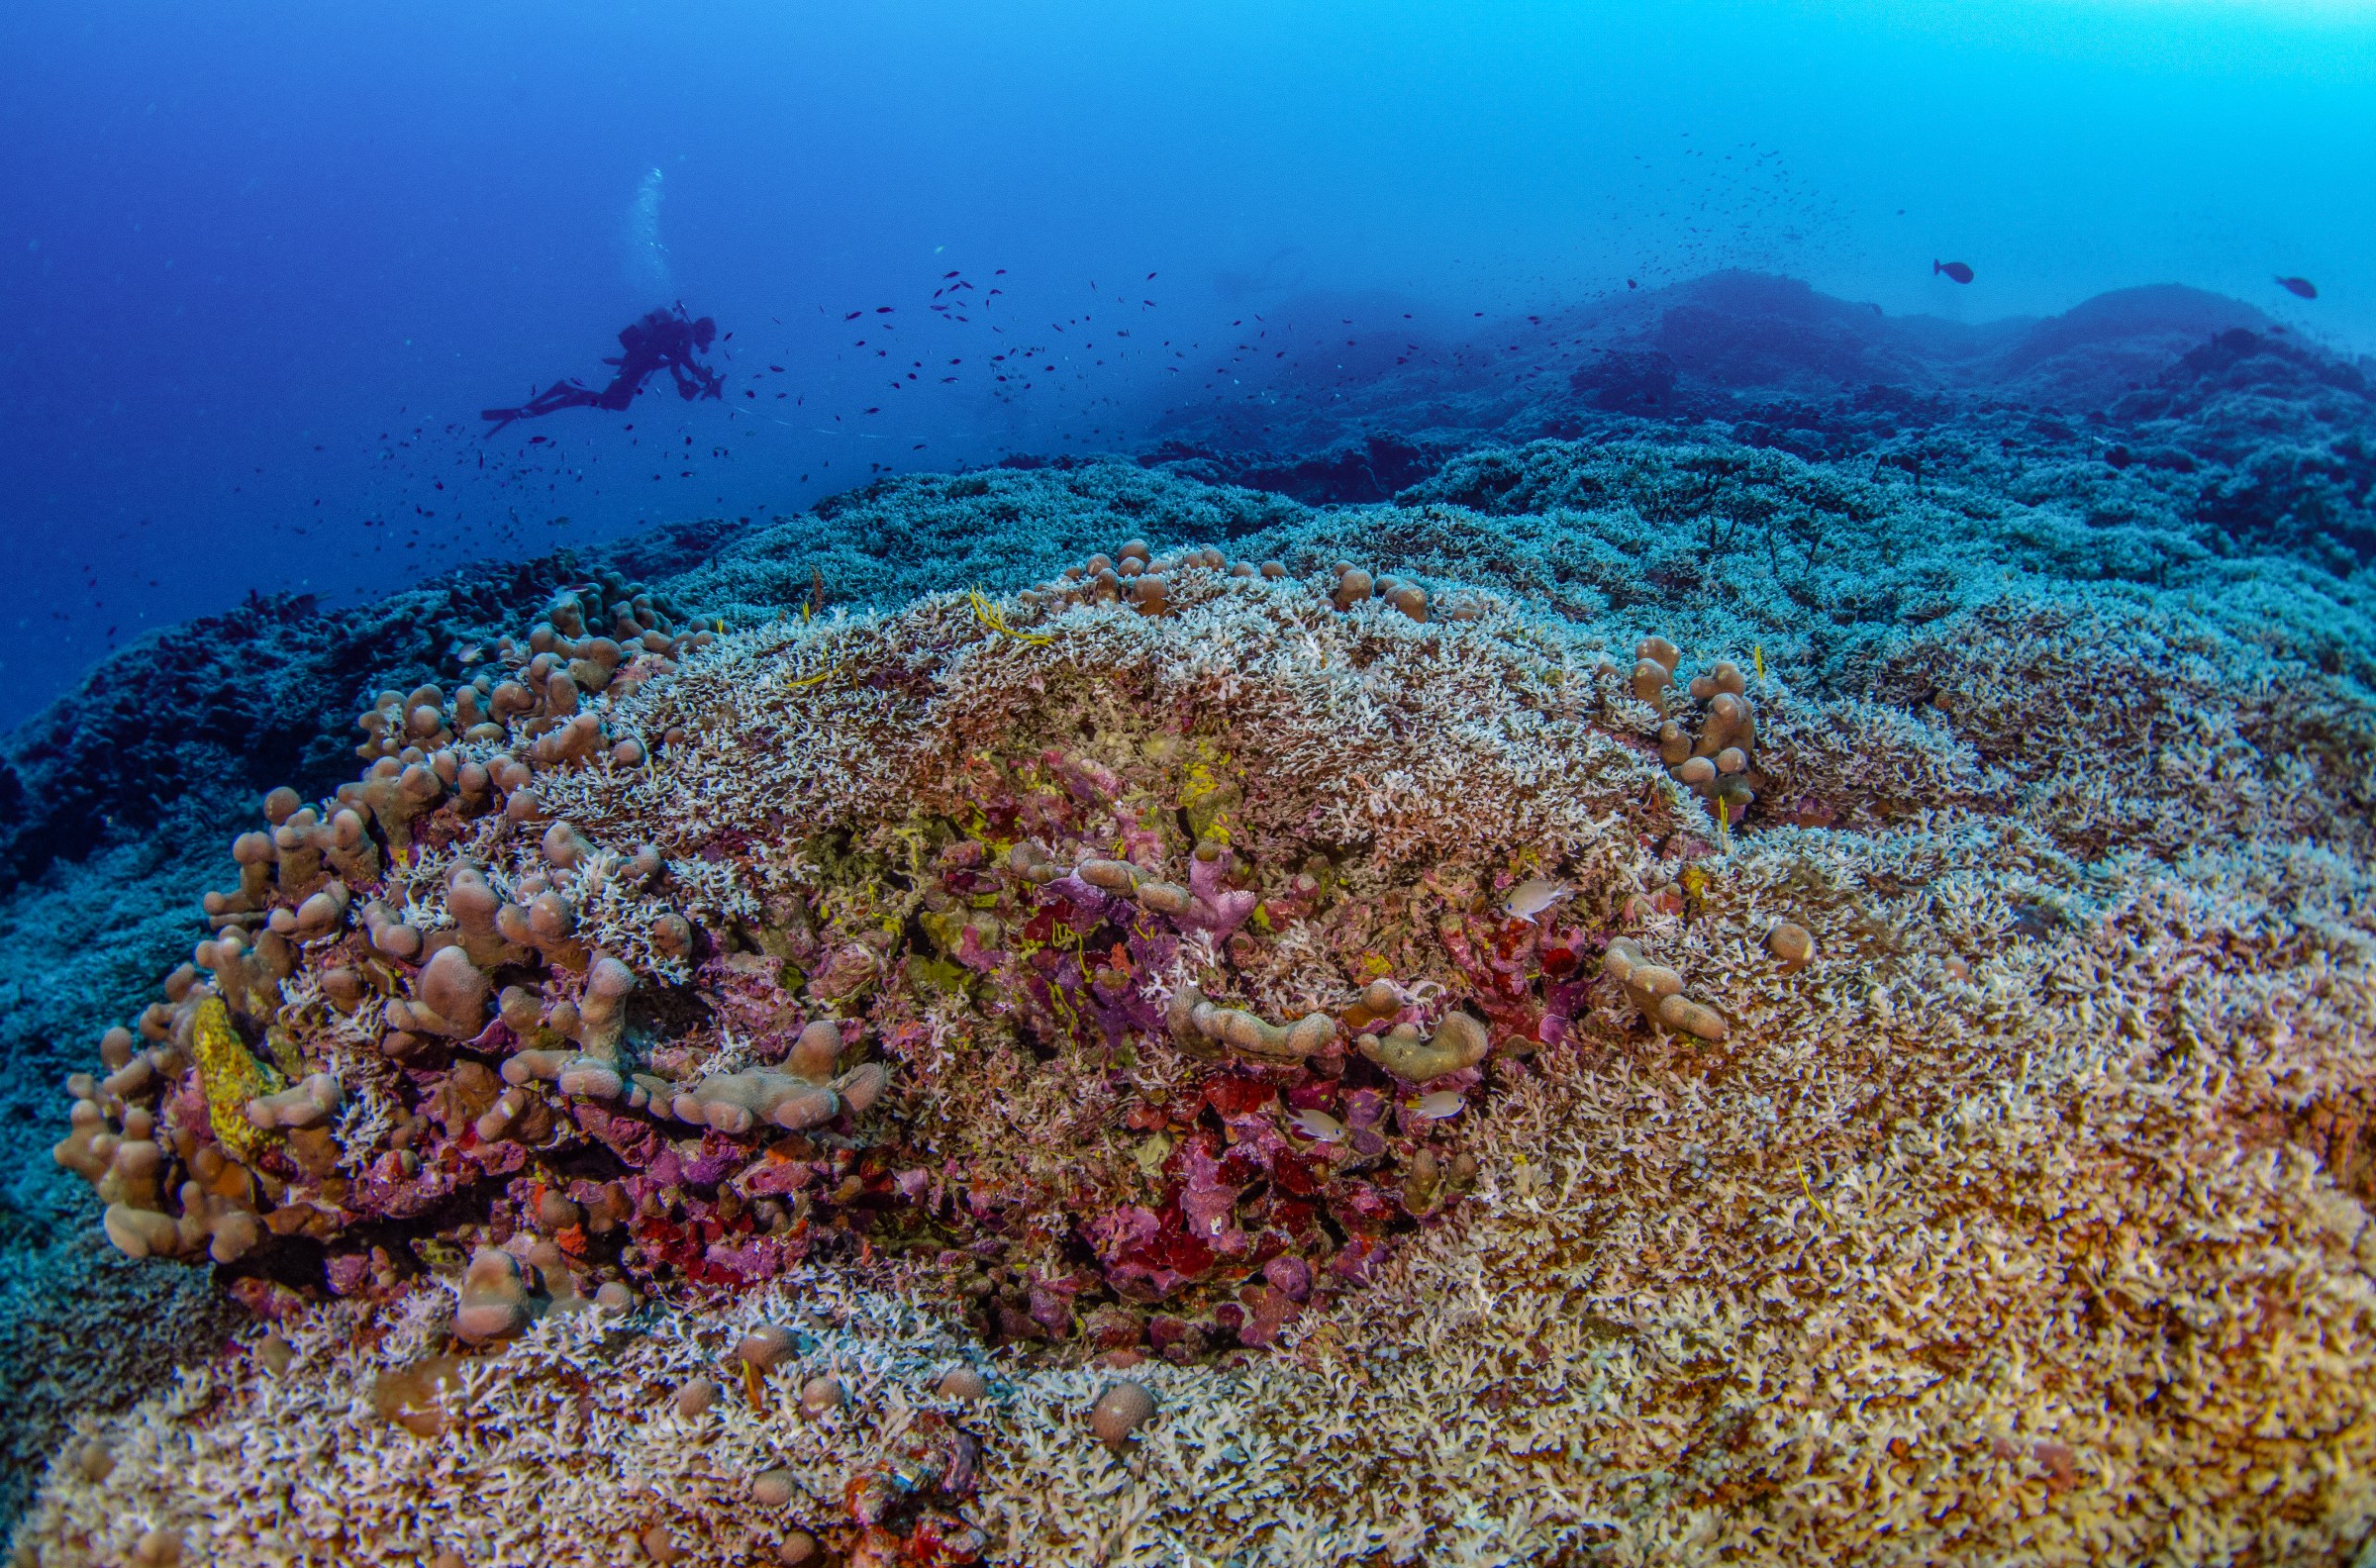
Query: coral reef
[
  {"x": 596, "y": 1406},
  {"x": 1654, "y": 998},
  {"x": 193, "y": 715},
  {"x": 1074, "y": 904},
  {"x": 1362, "y": 1032},
  {"x": 88, "y": 940},
  {"x": 1765, "y": 1325},
  {"x": 2124, "y": 410},
  {"x": 2158, "y": 403}
]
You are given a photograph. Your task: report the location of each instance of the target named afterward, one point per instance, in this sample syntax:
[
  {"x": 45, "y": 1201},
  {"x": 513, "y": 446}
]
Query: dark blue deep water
[{"x": 262, "y": 265}]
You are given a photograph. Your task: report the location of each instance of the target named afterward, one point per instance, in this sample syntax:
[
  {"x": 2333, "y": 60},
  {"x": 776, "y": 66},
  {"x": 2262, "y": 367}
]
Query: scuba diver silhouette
[{"x": 661, "y": 340}]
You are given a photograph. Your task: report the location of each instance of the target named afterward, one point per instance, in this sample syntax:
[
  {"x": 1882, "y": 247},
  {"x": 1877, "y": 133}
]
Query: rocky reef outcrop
[{"x": 2162, "y": 401}]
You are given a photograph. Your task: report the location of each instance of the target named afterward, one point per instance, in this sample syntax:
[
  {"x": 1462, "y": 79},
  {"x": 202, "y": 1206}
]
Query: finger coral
[
  {"x": 1460, "y": 1043},
  {"x": 1658, "y": 992}
]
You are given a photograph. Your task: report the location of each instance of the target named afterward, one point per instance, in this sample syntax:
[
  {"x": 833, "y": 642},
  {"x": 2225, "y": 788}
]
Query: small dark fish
[
  {"x": 2301, "y": 287},
  {"x": 854, "y": 315},
  {"x": 1954, "y": 269}
]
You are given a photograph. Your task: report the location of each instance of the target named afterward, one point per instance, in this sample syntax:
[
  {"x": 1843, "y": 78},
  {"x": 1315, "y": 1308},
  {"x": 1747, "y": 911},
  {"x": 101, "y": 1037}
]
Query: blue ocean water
[{"x": 262, "y": 264}]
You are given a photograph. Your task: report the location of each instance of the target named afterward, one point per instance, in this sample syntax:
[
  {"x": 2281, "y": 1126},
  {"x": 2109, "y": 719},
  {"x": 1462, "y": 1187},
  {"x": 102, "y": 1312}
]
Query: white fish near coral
[
  {"x": 1535, "y": 895},
  {"x": 1436, "y": 1106},
  {"x": 1318, "y": 1125}
]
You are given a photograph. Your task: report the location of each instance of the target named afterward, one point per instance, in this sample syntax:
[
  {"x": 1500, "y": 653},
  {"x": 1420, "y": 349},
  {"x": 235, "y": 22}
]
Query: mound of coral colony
[{"x": 1196, "y": 1063}]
